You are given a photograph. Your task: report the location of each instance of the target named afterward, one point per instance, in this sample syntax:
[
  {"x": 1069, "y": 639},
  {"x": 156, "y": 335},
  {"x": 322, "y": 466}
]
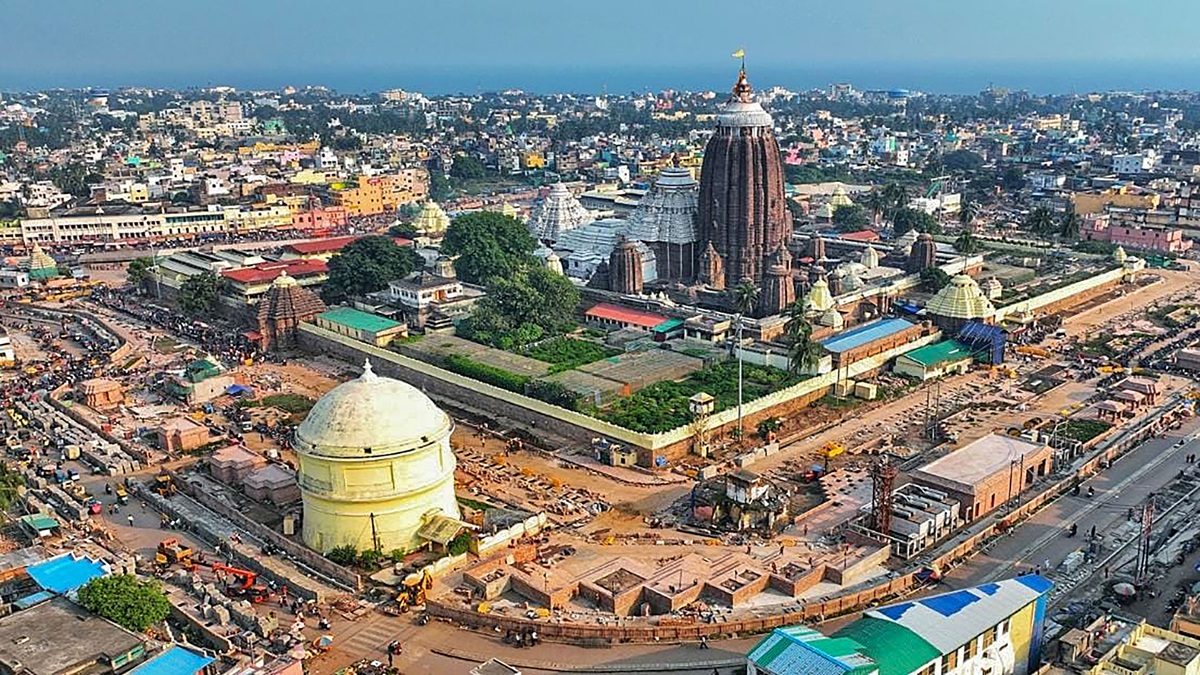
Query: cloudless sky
[{"x": 271, "y": 42}]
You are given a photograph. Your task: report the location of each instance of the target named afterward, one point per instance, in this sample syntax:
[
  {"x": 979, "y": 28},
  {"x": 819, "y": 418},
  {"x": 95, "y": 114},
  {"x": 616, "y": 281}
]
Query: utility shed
[
  {"x": 987, "y": 472},
  {"x": 942, "y": 358}
]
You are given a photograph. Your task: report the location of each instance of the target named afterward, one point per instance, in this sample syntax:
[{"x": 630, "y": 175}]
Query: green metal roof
[
  {"x": 667, "y": 326},
  {"x": 897, "y": 650},
  {"x": 358, "y": 320},
  {"x": 39, "y": 521},
  {"x": 940, "y": 352},
  {"x": 800, "y": 649}
]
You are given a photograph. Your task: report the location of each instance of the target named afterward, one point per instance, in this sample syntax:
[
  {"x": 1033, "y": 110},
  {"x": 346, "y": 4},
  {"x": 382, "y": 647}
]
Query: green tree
[
  {"x": 877, "y": 203},
  {"x": 126, "y": 601},
  {"x": 345, "y": 554},
  {"x": 905, "y": 219},
  {"x": 851, "y": 218},
  {"x": 138, "y": 271},
  {"x": 968, "y": 212},
  {"x": 896, "y": 196},
  {"x": 467, "y": 167},
  {"x": 1069, "y": 224},
  {"x": 487, "y": 244},
  {"x": 933, "y": 279},
  {"x": 966, "y": 243},
  {"x": 523, "y": 307},
  {"x": 961, "y": 161},
  {"x": 1040, "y": 221},
  {"x": 440, "y": 188},
  {"x": 199, "y": 294},
  {"x": 744, "y": 297},
  {"x": 367, "y": 265},
  {"x": 10, "y": 481},
  {"x": 1013, "y": 178},
  {"x": 804, "y": 353}
]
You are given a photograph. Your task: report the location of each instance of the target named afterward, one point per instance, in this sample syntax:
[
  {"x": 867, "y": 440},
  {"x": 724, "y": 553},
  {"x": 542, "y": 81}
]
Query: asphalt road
[{"x": 1125, "y": 485}]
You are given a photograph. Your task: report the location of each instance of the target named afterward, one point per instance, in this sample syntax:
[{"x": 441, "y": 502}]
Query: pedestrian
[
  {"x": 703, "y": 642},
  {"x": 1047, "y": 565},
  {"x": 130, "y": 518}
]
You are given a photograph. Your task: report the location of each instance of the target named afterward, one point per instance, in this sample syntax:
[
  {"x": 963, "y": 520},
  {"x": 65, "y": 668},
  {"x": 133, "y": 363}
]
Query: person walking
[
  {"x": 130, "y": 519},
  {"x": 703, "y": 642}
]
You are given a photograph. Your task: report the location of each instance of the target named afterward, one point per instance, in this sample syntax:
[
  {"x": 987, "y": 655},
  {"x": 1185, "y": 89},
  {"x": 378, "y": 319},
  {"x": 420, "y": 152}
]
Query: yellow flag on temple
[{"x": 739, "y": 54}]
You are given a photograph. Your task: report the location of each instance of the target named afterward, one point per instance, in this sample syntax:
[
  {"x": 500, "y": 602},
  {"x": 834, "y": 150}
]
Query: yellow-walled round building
[{"x": 375, "y": 463}]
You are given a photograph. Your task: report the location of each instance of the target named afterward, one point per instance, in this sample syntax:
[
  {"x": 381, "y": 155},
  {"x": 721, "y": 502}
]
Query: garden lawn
[
  {"x": 569, "y": 353},
  {"x": 664, "y": 405}
]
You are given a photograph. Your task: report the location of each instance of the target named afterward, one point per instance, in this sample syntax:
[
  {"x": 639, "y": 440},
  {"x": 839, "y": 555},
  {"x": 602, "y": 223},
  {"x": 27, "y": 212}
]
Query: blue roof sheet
[
  {"x": 868, "y": 332},
  {"x": 174, "y": 661},
  {"x": 65, "y": 573},
  {"x": 1036, "y": 582},
  {"x": 31, "y": 600}
]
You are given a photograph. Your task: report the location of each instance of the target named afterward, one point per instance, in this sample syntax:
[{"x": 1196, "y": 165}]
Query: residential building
[
  {"x": 59, "y": 637},
  {"x": 995, "y": 628},
  {"x": 1138, "y": 236}
]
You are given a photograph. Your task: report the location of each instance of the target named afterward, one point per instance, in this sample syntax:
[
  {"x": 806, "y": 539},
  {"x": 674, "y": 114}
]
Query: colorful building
[
  {"x": 1137, "y": 236},
  {"x": 994, "y": 628},
  {"x": 374, "y": 195},
  {"x": 1126, "y": 196}
]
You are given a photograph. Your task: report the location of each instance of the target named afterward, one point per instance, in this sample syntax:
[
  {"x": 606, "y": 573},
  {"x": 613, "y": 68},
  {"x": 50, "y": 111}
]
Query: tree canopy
[
  {"x": 466, "y": 166},
  {"x": 367, "y": 265},
  {"x": 966, "y": 243},
  {"x": 488, "y": 244},
  {"x": 126, "y": 601},
  {"x": 934, "y": 279},
  {"x": 199, "y": 294},
  {"x": 524, "y": 307},
  {"x": 851, "y": 218},
  {"x": 138, "y": 271},
  {"x": 906, "y": 219},
  {"x": 960, "y": 161}
]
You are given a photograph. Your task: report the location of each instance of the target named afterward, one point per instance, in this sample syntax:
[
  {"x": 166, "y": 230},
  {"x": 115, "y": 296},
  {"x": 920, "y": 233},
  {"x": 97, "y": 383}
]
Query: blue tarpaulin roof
[
  {"x": 861, "y": 335},
  {"x": 236, "y": 389},
  {"x": 174, "y": 661},
  {"x": 65, "y": 573}
]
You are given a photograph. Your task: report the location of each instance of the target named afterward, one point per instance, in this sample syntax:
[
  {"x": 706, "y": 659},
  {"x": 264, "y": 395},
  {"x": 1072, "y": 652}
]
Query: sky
[{"x": 582, "y": 45}]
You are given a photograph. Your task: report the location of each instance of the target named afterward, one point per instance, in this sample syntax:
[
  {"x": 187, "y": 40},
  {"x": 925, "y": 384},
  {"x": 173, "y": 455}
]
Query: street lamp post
[{"x": 739, "y": 360}]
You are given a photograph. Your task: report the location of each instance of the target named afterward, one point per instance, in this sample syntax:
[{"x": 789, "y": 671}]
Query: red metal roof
[
  {"x": 269, "y": 271},
  {"x": 625, "y": 315},
  {"x": 332, "y": 244},
  {"x": 321, "y": 245},
  {"x": 865, "y": 235}
]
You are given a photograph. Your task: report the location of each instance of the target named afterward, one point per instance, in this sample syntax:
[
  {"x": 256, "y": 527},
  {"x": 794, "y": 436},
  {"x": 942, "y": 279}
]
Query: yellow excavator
[{"x": 413, "y": 590}]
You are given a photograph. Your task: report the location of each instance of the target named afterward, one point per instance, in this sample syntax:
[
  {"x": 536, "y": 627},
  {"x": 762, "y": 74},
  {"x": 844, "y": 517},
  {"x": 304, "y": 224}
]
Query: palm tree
[
  {"x": 1040, "y": 221},
  {"x": 967, "y": 213},
  {"x": 876, "y": 202},
  {"x": 745, "y": 297},
  {"x": 897, "y": 196},
  {"x": 966, "y": 243},
  {"x": 804, "y": 353},
  {"x": 1069, "y": 224}
]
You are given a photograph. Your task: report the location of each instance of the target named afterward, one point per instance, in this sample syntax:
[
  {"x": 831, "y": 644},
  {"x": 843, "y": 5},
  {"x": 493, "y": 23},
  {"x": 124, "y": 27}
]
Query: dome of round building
[
  {"x": 558, "y": 212},
  {"x": 962, "y": 298},
  {"x": 372, "y": 413}
]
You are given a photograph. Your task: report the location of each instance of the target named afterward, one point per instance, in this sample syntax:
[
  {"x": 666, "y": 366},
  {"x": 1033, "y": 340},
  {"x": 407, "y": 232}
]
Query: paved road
[{"x": 1126, "y": 485}]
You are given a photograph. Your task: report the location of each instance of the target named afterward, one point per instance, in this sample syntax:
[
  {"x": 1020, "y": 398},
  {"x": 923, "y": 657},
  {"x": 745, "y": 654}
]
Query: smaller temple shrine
[{"x": 282, "y": 308}]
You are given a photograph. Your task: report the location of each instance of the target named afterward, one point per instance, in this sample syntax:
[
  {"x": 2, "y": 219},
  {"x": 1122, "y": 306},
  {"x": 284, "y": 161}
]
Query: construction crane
[{"x": 247, "y": 588}]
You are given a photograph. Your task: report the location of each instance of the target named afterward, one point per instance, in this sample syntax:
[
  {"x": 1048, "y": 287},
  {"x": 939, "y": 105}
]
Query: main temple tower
[{"x": 742, "y": 208}]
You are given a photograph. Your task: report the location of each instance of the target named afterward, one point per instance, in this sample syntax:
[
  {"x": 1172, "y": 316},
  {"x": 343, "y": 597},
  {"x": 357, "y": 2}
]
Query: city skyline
[{"x": 932, "y": 45}]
